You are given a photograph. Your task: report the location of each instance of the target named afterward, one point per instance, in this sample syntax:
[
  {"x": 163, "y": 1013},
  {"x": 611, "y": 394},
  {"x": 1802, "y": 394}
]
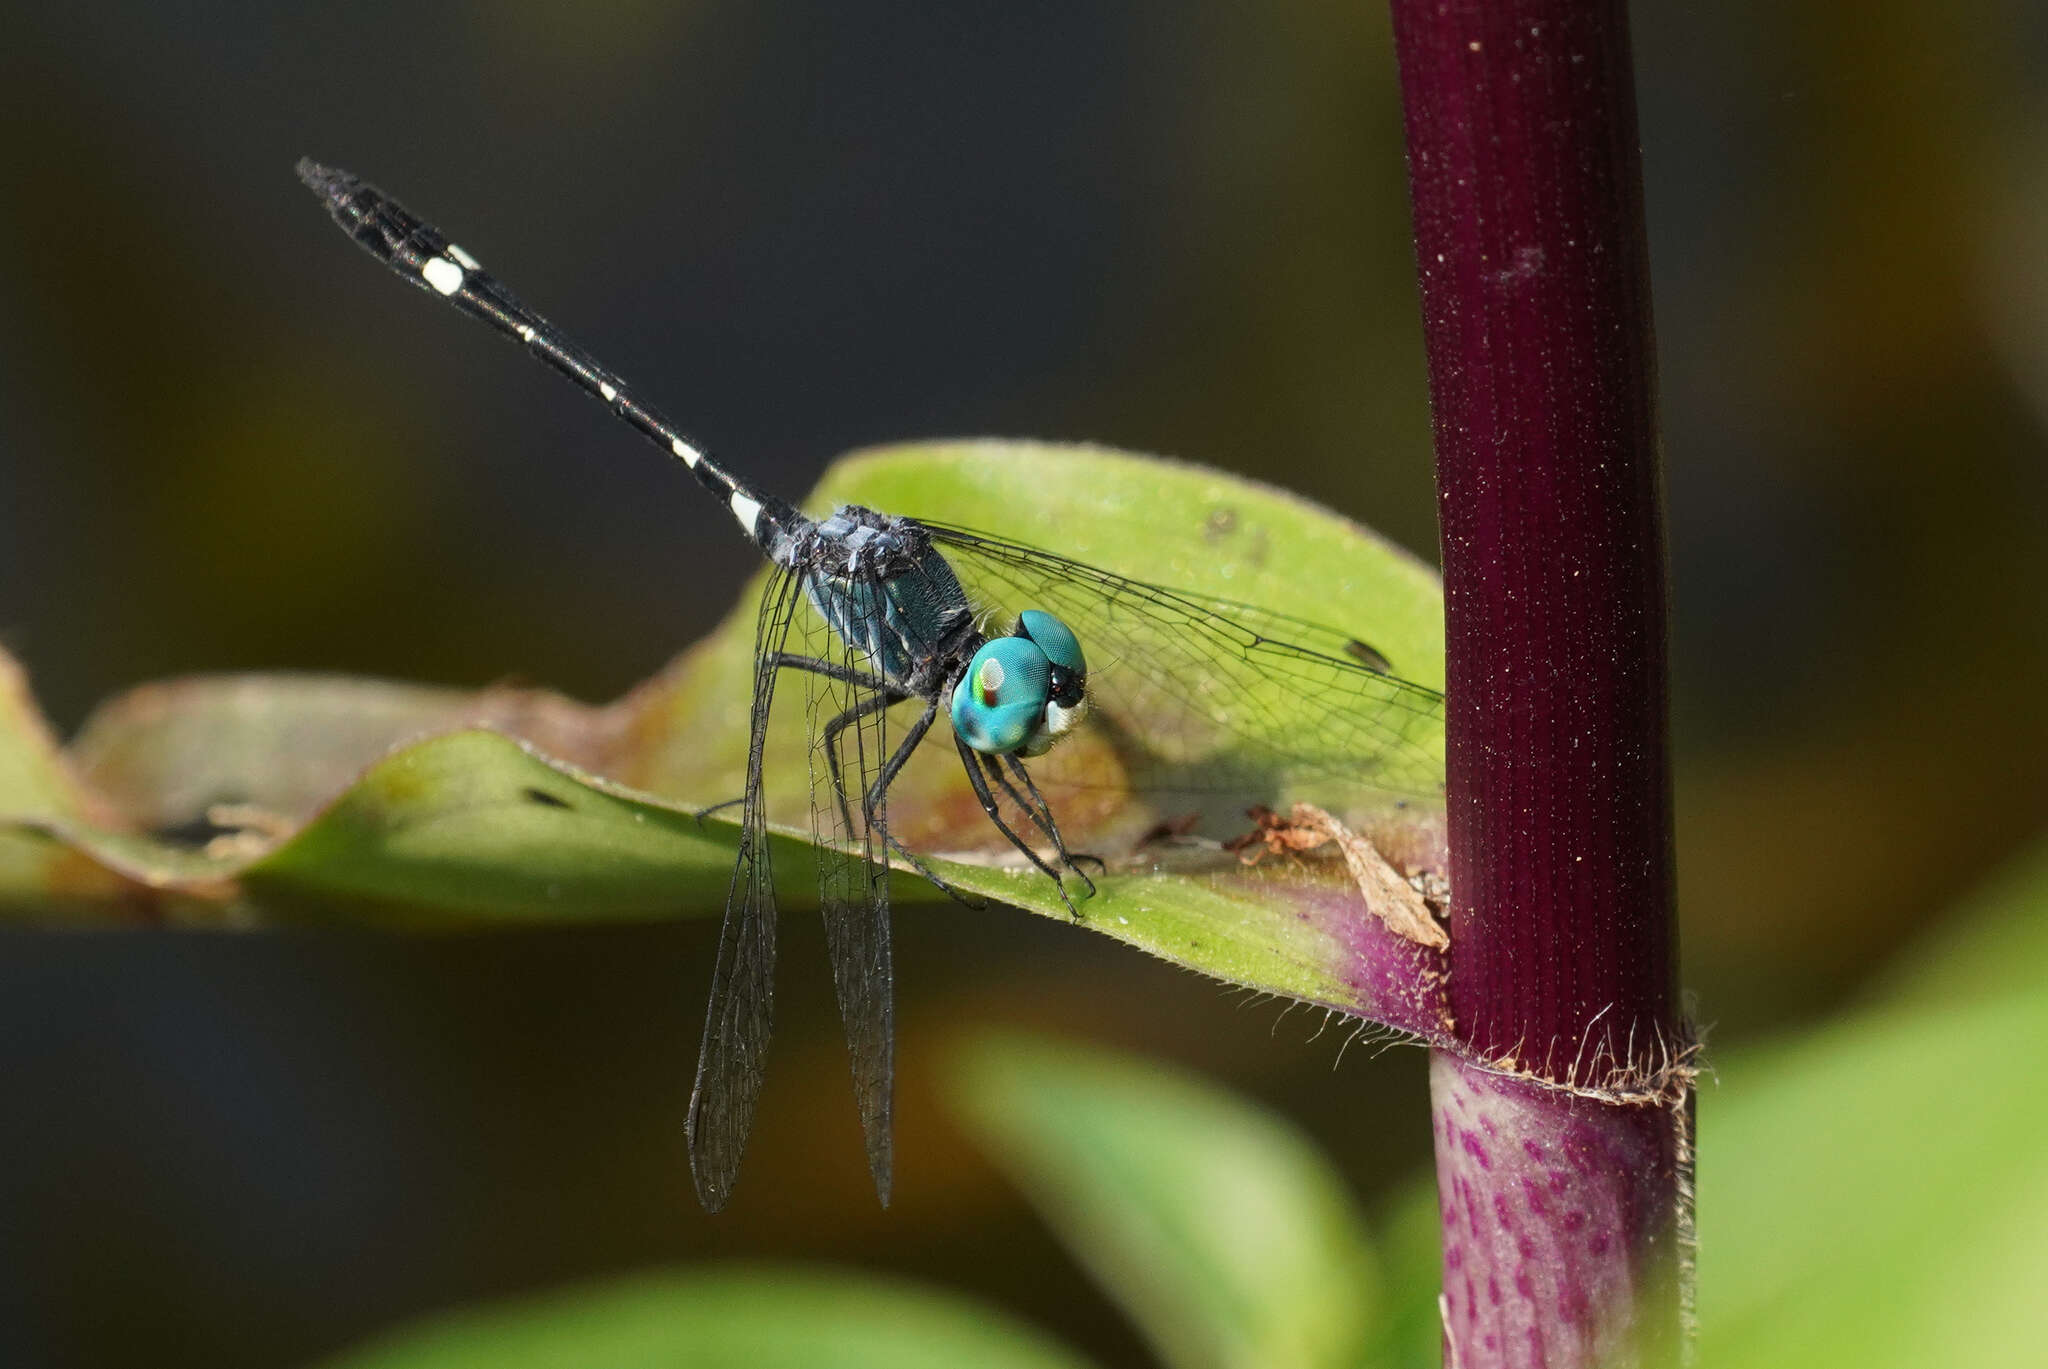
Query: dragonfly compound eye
[
  {"x": 1000, "y": 704},
  {"x": 1067, "y": 690},
  {"x": 1055, "y": 639}
]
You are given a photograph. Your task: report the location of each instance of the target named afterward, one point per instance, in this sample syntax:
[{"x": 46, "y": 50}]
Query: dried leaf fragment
[{"x": 1388, "y": 893}]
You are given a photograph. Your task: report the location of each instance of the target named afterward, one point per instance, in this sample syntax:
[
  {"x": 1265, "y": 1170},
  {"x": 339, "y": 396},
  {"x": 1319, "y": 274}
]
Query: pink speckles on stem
[{"x": 1561, "y": 1237}]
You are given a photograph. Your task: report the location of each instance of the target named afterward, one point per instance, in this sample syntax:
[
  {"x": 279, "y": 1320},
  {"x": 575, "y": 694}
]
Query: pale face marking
[
  {"x": 1060, "y": 720},
  {"x": 607, "y": 391},
  {"x": 443, "y": 274},
  {"x": 463, "y": 259},
  {"x": 526, "y": 332},
  {"x": 748, "y": 511},
  {"x": 691, "y": 456}
]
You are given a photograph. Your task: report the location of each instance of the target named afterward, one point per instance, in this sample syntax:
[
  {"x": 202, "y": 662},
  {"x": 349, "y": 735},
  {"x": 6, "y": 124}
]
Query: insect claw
[
  {"x": 703, "y": 813},
  {"x": 1073, "y": 909}
]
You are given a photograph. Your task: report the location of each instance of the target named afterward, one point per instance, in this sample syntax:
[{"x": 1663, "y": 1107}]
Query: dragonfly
[{"x": 884, "y": 616}]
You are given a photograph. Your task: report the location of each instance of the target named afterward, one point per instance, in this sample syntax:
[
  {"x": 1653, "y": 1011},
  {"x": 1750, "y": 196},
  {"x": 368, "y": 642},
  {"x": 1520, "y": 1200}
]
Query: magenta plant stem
[{"x": 1557, "y": 1122}]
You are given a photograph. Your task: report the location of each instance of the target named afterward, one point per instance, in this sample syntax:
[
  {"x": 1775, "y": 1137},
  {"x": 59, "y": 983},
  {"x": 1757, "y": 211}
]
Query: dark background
[{"x": 227, "y": 441}]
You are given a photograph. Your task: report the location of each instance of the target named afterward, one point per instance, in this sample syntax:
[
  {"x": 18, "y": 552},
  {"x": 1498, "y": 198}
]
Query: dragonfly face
[{"x": 1022, "y": 693}]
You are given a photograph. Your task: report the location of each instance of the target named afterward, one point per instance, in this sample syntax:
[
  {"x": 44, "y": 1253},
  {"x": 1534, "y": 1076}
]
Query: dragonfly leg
[
  {"x": 831, "y": 670},
  {"x": 1041, "y": 813},
  {"x": 874, "y": 810},
  {"x": 969, "y": 758},
  {"x": 871, "y": 811},
  {"x": 829, "y": 736},
  {"x": 937, "y": 880},
  {"x": 884, "y": 695}
]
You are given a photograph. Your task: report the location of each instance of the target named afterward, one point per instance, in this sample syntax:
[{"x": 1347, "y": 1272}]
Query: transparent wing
[
  {"x": 740, "y": 1017},
  {"x": 851, "y": 744},
  {"x": 1199, "y": 695}
]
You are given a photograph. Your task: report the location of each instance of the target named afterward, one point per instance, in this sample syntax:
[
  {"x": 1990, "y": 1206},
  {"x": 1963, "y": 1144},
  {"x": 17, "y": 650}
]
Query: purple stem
[{"x": 1559, "y": 1202}]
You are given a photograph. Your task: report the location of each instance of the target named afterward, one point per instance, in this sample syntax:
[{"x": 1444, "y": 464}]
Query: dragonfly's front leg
[
  {"x": 1040, "y": 812},
  {"x": 970, "y": 758}
]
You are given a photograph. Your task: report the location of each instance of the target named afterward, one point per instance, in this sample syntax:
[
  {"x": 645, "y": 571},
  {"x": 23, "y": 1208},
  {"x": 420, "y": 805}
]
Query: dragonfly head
[{"x": 1023, "y": 692}]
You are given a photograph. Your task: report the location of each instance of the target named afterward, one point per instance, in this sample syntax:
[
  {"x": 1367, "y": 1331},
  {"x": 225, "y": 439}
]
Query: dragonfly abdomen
[{"x": 419, "y": 253}]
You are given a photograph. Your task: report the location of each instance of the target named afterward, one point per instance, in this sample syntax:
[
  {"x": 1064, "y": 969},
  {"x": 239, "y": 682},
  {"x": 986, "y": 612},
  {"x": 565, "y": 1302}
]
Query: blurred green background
[{"x": 230, "y": 443}]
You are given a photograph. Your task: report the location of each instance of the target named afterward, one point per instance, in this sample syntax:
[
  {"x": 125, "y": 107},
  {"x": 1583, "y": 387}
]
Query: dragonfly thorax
[{"x": 887, "y": 591}]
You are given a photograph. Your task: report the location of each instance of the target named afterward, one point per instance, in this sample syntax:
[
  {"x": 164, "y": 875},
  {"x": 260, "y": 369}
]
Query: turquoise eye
[
  {"x": 1054, "y": 638},
  {"x": 999, "y": 703},
  {"x": 1069, "y": 673}
]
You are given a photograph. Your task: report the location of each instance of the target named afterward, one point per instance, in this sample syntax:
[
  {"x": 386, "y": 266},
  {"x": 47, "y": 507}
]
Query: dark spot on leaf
[
  {"x": 545, "y": 799},
  {"x": 193, "y": 832}
]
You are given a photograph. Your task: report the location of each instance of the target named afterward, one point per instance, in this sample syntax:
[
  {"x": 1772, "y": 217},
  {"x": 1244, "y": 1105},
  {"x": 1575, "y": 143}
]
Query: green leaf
[
  {"x": 40, "y": 873},
  {"x": 33, "y": 779},
  {"x": 166, "y": 753},
  {"x": 1295, "y": 929},
  {"x": 1996, "y": 941},
  {"x": 1876, "y": 1194},
  {"x": 1153, "y": 519},
  {"x": 1219, "y": 1228},
  {"x": 1169, "y": 523},
  {"x": 748, "y": 1318},
  {"x": 463, "y": 829},
  {"x": 1411, "y": 1247},
  {"x": 434, "y": 836},
  {"x": 474, "y": 827}
]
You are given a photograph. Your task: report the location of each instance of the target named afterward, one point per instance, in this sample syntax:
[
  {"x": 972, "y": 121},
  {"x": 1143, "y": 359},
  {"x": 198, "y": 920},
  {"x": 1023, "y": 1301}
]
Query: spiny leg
[
  {"x": 830, "y": 669},
  {"x": 887, "y": 696},
  {"x": 874, "y": 810},
  {"x": 815, "y": 666},
  {"x": 1035, "y": 808},
  {"x": 970, "y": 759},
  {"x": 1040, "y": 813},
  {"x": 1018, "y": 768},
  {"x": 829, "y": 735}
]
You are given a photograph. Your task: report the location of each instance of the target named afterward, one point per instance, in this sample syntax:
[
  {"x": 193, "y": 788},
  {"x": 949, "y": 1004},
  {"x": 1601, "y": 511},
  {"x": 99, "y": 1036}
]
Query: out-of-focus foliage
[
  {"x": 1875, "y": 1196},
  {"x": 759, "y": 1318},
  {"x": 1217, "y": 1226},
  {"x": 1874, "y": 1193}
]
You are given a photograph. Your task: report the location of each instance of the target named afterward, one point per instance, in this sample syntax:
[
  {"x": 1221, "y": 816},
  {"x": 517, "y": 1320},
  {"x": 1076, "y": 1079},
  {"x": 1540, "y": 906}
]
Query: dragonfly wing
[
  {"x": 741, "y": 1014},
  {"x": 1203, "y": 695},
  {"x": 851, "y": 746}
]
